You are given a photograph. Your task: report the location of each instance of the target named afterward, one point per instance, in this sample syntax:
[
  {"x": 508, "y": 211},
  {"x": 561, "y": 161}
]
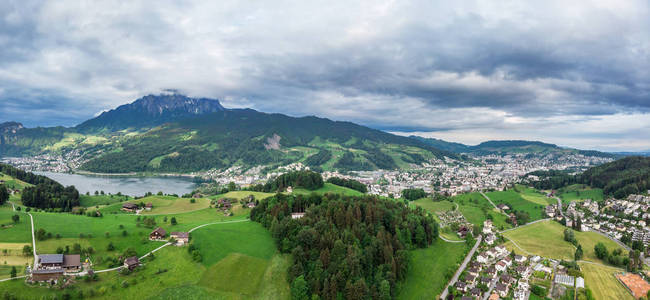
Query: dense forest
[
  {"x": 349, "y": 183},
  {"x": 45, "y": 192},
  {"x": 630, "y": 175},
  {"x": 297, "y": 179},
  {"x": 413, "y": 194},
  {"x": 345, "y": 247}
]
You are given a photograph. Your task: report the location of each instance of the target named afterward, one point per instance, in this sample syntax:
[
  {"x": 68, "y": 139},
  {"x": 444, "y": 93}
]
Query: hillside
[
  {"x": 630, "y": 175},
  {"x": 506, "y": 147},
  {"x": 174, "y": 133}
]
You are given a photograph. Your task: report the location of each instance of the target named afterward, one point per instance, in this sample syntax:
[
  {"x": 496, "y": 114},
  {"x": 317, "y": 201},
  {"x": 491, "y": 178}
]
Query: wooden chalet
[
  {"x": 72, "y": 263},
  {"x": 148, "y": 206},
  {"x": 50, "y": 261},
  {"x": 158, "y": 234},
  {"x": 131, "y": 262},
  {"x": 50, "y": 275},
  {"x": 129, "y": 207},
  {"x": 181, "y": 237}
]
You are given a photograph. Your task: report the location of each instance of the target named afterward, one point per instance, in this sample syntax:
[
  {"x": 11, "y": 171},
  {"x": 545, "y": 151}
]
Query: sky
[{"x": 573, "y": 73}]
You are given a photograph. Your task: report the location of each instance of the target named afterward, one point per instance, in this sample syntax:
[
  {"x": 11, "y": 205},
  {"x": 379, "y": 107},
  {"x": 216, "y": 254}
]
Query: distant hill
[
  {"x": 174, "y": 133},
  {"x": 509, "y": 147},
  {"x": 150, "y": 111},
  {"x": 628, "y": 175}
]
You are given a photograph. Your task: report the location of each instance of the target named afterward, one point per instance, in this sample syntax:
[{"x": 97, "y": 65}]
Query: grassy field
[
  {"x": 13, "y": 183},
  {"x": 547, "y": 239},
  {"x": 248, "y": 238},
  {"x": 476, "y": 208},
  {"x": 330, "y": 188},
  {"x": 516, "y": 202},
  {"x": 97, "y": 200},
  {"x": 601, "y": 281},
  {"x": 242, "y": 194},
  {"x": 426, "y": 276},
  {"x": 535, "y": 196},
  {"x": 578, "y": 192},
  {"x": 14, "y": 233},
  {"x": 162, "y": 205}
]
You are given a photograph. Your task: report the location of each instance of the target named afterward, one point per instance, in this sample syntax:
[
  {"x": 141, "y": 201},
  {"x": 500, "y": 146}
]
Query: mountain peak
[
  {"x": 10, "y": 127},
  {"x": 150, "y": 111}
]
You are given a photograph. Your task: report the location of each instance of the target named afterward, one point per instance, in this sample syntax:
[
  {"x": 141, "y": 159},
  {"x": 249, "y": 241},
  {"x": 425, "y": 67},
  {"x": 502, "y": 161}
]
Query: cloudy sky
[{"x": 575, "y": 73}]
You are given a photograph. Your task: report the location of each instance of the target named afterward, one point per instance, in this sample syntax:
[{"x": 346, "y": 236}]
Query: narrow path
[
  {"x": 527, "y": 224},
  {"x": 462, "y": 267},
  {"x": 31, "y": 219},
  {"x": 518, "y": 247},
  {"x": 449, "y": 241},
  {"x": 559, "y": 206}
]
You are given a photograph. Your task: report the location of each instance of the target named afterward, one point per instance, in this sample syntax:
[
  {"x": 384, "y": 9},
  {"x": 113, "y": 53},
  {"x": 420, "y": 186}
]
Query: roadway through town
[{"x": 461, "y": 268}]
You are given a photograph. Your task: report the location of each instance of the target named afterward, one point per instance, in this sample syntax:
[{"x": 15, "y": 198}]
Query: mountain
[
  {"x": 174, "y": 133},
  {"x": 150, "y": 111},
  {"x": 506, "y": 147},
  {"x": 249, "y": 137}
]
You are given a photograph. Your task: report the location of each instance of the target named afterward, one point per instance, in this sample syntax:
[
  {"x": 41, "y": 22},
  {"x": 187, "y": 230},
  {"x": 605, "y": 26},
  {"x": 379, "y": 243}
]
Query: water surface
[{"x": 132, "y": 186}]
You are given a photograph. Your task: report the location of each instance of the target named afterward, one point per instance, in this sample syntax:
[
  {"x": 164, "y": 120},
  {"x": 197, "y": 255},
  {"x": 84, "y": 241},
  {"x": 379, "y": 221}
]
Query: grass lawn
[
  {"x": 162, "y": 205},
  {"x": 236, "y": 273},
  {"x": 434, "y": 206},
  {"x": 516, "y": 202},
  {"x": 96, "y": 200},
  {"x": 330, "y": 188},
  {"x": 216, "y": 242},
  {"x": 14, "y": 233},
  {"x": 535, "y": 196},
  {"x": 426, "y": 275},
  {"x": 242, "y": 194},
  {"x": 601, "y": 281},
  {"x": 547, "y": 239},
  {"x": 13, "y": 183},
  {"x": 578, "y": 192}
]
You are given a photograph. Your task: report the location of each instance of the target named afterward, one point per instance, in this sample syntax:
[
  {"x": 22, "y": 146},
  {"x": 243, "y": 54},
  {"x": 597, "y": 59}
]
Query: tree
[
  {"x": 15, "y": 218},
  {"x": 110, "y": 247},
  {"x": 27, "y": 250},
  {"x": 299, "y": 289},
  {"x": 578, "y": 254},
  {"x": 4, "y": 194},
  {"x": 41, "y": 234},
  {"x": 601, "y": 251},
  {"x": 13, "y": 271},
  {"x": 173, "y": 221}
]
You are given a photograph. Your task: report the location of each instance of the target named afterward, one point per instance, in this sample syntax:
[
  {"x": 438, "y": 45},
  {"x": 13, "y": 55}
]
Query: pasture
[
  {"x": 579, "y": 192},
  {"x": 535, "y": 196},
  {"x": 515, "y": 201},
  {"x": 330, "y": 188},
  {"x": 426, "y": 275},
  {"x": 547, "y": 239}
]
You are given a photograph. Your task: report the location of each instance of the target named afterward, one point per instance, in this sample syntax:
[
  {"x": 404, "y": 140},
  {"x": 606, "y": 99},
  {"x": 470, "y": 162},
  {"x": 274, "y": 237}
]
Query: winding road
[{"x": 462, "y": 267}]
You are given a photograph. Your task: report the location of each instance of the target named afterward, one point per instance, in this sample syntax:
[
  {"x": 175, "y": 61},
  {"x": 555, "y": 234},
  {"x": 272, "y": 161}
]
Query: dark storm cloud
[{"x": 395, "y": 65}]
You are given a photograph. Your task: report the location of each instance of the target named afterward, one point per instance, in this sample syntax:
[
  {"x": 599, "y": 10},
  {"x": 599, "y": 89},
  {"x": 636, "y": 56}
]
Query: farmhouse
[
  {"x": 148, "y": 206},
  {"x": 131, "y": 262},
  {"x": 50, "y": 261},
  {"x": 297, "y": 215},
  {"x": 129, "y": 207},
  {"x": 46, "y": 274},
  {"x": 72, "y": 263},
  {"x": 181, "y": 237},
  {"x": 157, "y": 234}
]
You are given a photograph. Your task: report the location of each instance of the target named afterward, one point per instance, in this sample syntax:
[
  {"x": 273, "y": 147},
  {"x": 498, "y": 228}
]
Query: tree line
[
  {"x": 297, "y": 179},
  {"x": 345, "y": 247},
  {"x": 348, "y": 183},
  {"x": 45, "y": 192}
]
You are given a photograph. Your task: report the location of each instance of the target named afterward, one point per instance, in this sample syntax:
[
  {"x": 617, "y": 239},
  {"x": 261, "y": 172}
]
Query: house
[
  {"x": 476, "y": 292},
  {"x": 289, "y": 190},
  {"x": 500, "y": 266},
  {"x": 131, "y": 262},
  {"x": 520, "y": 259},
  {"x": 180, "y": 237},
  {"x": 523, "y": 271},
  {"x": 536, "y": 259},
  {"x": 251, "y": 204},
  {"x": 490, "y": 239},
  {"x": 50, "y": 275},
  {"x": 129, "y": 207},
  {"x": 508, "y": 261},
  {"x": 297, "y": 215},
  {"x": 461, "y": 286},
  {"x": 486, "y": 280},
  {"x": 50, "y": 261},
  {"x": 494, "y": 296},
  {"x": 487, "y": 227},
  {"x": 501, "y": 250},
  {"x": 501, "y": 289},
  {"x": 72, "y": 263},
  {"x": 491, "y": 252},
  {"x": 507, "y": 279},
  {"x": 463, "y": 231},
  {"x": 148, "y": 206},
  {"x": 513, "y": 219},
  {"x": 470, "y": 279},
  {"x": 474, "y": 271},
  {"x": 503, "y": 207},
  {"x": 158, "y": 234},
  {"x": 482, "y": 257},
  {"x": 492, "y": 272}
]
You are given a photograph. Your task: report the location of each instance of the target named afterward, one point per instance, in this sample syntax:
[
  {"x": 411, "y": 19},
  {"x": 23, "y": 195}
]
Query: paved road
[
  {"x": 461, "y": 268},
  {"x": 559, "y": 204},
  {"x": 527, "y": 224}
]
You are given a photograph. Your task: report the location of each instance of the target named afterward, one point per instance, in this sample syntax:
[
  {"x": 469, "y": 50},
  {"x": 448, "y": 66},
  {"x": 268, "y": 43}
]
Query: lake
[{"x": 127, "y": 185}]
